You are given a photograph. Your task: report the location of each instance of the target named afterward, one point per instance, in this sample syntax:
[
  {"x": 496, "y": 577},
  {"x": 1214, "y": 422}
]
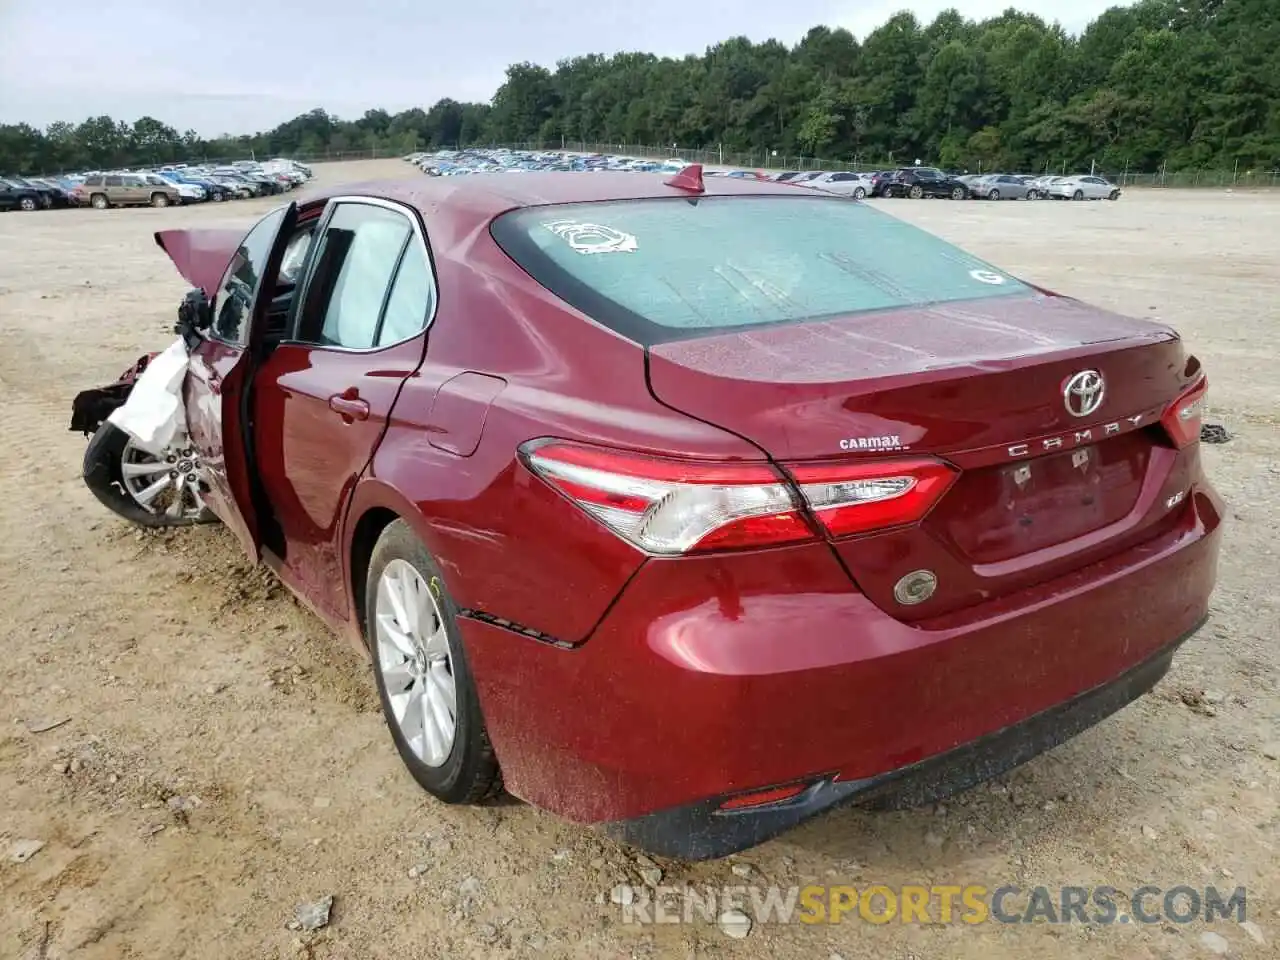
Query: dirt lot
[{"x": 223, "y": 758}]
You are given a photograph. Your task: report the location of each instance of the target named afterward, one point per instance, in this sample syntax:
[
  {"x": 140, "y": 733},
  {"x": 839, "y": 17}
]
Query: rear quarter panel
[{"x": 509, "y": 545}]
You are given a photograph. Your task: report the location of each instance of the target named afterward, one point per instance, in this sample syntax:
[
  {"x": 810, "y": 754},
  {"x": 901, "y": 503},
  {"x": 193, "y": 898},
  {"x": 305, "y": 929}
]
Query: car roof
[{"x": 454, "y": 207}]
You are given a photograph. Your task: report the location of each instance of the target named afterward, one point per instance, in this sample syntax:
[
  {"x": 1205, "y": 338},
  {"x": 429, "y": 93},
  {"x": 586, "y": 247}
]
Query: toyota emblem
[{"x": 1083, "y": 393}]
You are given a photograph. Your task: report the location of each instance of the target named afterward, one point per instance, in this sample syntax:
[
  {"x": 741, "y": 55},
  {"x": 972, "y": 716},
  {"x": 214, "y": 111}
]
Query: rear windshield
[{"x": 668, "y": 269}]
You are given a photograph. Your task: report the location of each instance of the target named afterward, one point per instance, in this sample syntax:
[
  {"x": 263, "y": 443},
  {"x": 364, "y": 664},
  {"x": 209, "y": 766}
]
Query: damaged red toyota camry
[{"x": 686, "y": 509}]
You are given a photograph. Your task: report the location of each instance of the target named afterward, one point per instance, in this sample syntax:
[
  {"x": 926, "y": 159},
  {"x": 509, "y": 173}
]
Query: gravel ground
[{"x": 223, "y": 760}]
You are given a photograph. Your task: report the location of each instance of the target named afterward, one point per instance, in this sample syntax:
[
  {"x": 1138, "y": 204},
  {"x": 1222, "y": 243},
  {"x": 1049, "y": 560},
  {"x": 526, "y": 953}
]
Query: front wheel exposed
[
  {"x": 1115, "y": 195},
  {"x": 27, "y": 203},
  {"x": 149, "y": 490},
  {"x": 424, "y": 682},
  {"x": 916, "y": 193},
  {"x": 859, "y": 193},
  {"x": 1033, "y": 195},
  {"x": 957, "y": 193},
  {"x": 159, "y": 200},
  {"x": 993, "y": 195},
  {"x": 1078, "y": 195}
]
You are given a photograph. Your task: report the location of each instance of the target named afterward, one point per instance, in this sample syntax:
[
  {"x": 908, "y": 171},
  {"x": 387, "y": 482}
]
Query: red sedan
[{"x": 689, "y": 509}]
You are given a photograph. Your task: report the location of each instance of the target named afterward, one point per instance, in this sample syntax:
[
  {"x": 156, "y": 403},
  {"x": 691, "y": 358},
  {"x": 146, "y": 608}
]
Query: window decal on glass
[{"x": 592, "y": 237}]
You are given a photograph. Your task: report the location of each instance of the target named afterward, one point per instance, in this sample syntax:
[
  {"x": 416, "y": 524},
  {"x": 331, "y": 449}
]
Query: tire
[
  {"x": 993, "y": 195},
  {"x": 27, "y": 203},
  {"x": 99, "y": 201},
  {"x": 159, "y": 199},
  {"x": 860, "y": 193},
  {"x": 216, "y": 197},
  {"x": 1078, "y": 195},
  {"x": 916, "y": 192},
  {"x": 958, "y": 193},
  {"x": 103, "y": 475},
  {"x": 1033, "y": 195},
  {"x": 469, "y": 772},
  {"x": 1115, "y": 195}
]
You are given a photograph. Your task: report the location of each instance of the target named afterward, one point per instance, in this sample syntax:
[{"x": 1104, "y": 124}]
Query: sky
[{"x": 243, "y": 68}]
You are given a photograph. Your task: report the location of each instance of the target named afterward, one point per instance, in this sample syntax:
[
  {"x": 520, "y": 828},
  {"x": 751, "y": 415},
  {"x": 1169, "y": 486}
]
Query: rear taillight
[
  {"x": 1183, "y": 417},
  {"x": 673, "y": 507},
  {"x": 849, "y": 499}
]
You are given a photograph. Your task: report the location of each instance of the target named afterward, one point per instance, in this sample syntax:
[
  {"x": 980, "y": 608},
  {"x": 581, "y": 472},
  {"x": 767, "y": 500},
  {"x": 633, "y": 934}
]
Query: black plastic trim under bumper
[{"x": 702, "y": 831}]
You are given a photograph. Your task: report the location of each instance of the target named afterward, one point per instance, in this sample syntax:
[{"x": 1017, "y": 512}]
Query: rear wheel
[
  {"x": 859, "y": 193},
  {"x": 993, "y": 195},
  {"x": 159, "y": 200},
  {"x": 424, "y": 682},
  {"x": 1078, "y": 195},
  {"x": 99, "y": 201},
  {"x": 27, "y": 203},
  {"x": 917, "y": 192}
]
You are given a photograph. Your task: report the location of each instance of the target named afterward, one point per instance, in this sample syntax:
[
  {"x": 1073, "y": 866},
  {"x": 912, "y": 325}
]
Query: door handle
[{"x": 349, "y": 406}]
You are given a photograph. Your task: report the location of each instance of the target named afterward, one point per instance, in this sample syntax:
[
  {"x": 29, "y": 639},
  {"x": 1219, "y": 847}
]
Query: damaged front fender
[{"x": 90, "y": 408}]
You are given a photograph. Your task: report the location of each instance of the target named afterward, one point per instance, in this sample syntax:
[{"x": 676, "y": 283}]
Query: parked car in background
[
  {"x": 187, "y": 192},
  {"x": 64, "y": 189},
  {"x": 14, "y": 196},
  {"x": 105, "y": 190},
  {"x": 180, "y": 178},
  {"x": 845, "y": 184},
  {"x": 50, "y": 196},
  {"x": 919, "y": 182},
  {"x": 1083, "y": 187},
  {"x": 1003, "y": 186}
]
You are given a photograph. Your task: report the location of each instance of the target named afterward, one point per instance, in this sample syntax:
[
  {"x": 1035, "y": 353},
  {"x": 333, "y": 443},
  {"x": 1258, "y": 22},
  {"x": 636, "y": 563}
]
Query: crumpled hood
[{"x": 201, "y": 255}]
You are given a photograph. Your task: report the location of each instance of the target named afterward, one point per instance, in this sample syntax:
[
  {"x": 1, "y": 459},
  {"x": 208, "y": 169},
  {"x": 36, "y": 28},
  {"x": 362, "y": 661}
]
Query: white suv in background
[{"x": 189, "y": 192}]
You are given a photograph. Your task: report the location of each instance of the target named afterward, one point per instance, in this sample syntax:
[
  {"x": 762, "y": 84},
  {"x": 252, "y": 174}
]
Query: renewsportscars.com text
[{"x": 938, "y": 903}]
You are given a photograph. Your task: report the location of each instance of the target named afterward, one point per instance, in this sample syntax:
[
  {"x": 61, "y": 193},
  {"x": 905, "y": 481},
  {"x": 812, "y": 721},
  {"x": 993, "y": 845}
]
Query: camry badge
[{"x": 1083, "y": 393}]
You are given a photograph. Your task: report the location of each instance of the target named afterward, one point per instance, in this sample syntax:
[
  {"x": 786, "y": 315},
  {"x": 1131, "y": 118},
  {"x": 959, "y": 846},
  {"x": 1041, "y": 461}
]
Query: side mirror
[{"x": 195, "y": 315}]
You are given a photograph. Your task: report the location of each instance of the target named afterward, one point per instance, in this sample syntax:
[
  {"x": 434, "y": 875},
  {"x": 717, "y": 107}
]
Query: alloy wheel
[
  {"x": 169, "y": 486},
  {"x": 416, "y": 663}
]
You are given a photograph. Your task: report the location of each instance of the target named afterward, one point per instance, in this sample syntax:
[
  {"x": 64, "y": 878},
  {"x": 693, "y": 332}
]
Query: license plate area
[{"x": 1002, "y": 511}]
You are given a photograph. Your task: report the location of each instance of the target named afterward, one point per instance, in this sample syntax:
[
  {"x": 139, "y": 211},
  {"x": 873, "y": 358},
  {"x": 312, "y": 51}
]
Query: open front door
[{"x": 221, "y": 374}]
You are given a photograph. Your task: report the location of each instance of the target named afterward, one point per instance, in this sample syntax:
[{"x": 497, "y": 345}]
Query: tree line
[{"x": 1172, "y": 84}]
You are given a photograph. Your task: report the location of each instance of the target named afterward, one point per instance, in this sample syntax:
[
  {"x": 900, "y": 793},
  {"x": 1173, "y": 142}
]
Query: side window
[
  {"x": 412, "y": 295},
  {"x": 114, "y": 181},
  {"x": 354, "y": 266},
  {"x": 240, "y": 282}
]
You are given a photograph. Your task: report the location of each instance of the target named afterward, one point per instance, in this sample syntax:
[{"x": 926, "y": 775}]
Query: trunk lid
[
  {"x": 202, "y": 254},
  {"x": 979, "y": 384}
]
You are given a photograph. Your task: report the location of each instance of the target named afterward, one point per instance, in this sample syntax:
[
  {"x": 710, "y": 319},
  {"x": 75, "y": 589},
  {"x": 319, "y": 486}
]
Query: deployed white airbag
[{"x": 153, "y": 415}]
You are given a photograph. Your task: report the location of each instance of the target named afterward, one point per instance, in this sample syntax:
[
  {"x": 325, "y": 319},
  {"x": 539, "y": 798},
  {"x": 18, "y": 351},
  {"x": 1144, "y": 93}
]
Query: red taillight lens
[
  {"x": 764, "y": 798},
  {"x": 849, "y": 499},
  {"x": 673, "y": 507},
  {"x": 1183, "y": 417}
]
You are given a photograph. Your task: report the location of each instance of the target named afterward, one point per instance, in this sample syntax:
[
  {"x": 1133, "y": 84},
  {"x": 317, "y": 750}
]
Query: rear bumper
[
  {"x": 702, "y": 831},
  {"x": 723, "y": 674}
]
